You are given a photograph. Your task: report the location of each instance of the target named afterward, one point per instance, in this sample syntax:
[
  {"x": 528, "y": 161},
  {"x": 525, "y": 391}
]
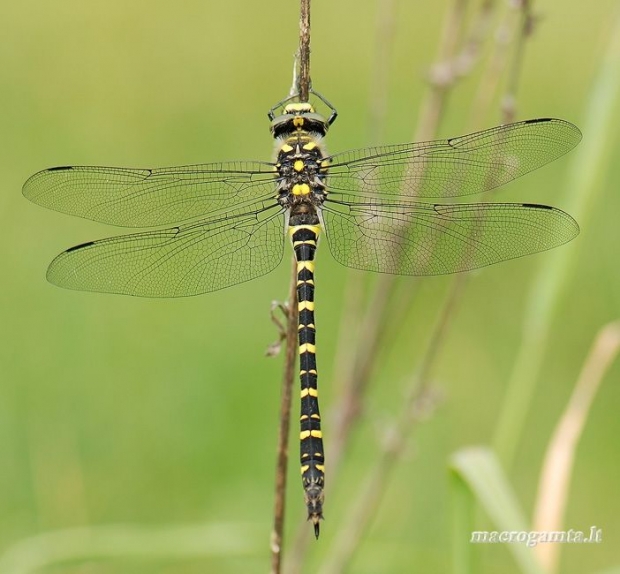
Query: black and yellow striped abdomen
[
  {"x": 301, "y": 173},
  {"x": 305, "y": 238}
]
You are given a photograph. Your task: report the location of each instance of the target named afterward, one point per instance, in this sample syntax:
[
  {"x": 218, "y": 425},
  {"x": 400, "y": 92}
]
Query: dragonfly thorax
[{"x": 301, "y": 167}]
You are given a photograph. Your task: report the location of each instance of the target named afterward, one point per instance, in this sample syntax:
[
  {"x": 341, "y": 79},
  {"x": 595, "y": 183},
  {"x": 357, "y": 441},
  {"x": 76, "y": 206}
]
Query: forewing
[
  {"x": 452, "y": 167},
  {"x": 178, "y": 262},
  {"x": 150, "y": 197},
  {"x": 427, "y": 239}
]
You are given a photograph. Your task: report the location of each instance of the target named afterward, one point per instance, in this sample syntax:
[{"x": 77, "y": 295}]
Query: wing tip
[{"x": 557, "y": 121}]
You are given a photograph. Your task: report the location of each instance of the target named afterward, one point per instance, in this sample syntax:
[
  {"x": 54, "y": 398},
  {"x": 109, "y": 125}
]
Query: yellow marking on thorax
[
  {"x": 320, "y": 467},
  {"x": 310, "y": 146},
  {"x": 298, "y": 122},
  {"x": 304, "y": 468},
  {"x": 301, "y": 189},
  {"x": 309, "y": 391},
  {"x": 298, "y": 165},
  {"x": 298, "y": 107},
  {"x": 286, "y": 148}
]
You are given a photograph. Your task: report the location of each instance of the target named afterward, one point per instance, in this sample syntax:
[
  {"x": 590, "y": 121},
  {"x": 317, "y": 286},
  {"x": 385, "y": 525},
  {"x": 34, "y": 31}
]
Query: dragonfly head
[{"x": 297, "y": 117}]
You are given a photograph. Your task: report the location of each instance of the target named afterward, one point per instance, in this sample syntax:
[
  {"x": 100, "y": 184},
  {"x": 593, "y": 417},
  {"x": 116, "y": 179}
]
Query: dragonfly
[{"x": 214, "y": 225}]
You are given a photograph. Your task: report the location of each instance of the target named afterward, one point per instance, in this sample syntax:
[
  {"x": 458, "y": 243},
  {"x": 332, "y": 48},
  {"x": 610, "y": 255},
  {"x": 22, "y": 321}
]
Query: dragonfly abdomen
[{"x": 312, "y": 457}]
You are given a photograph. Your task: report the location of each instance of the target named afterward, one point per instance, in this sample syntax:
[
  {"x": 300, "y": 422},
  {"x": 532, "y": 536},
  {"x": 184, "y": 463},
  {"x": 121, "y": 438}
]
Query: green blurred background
[{"x": 158, "y": 414}]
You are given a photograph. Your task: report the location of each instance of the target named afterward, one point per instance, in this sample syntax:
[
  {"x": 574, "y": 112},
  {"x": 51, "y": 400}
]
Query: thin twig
[
  {"x": 302, "y": 79},
  {"x": 285, "y": 423},
  {"x": 442, "y": 77},
  {"x": 526, "y": 29},
  {"x": 488, "y": 86},
  {"x": 304, "y": 51},
  {"x": 384, "y": 42}
]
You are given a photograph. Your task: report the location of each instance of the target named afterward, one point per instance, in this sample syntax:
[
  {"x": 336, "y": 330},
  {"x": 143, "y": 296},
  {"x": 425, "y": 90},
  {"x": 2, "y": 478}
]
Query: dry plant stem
[
  {"x": 374, "y": 324},
  {"x": 470, "y": 51},
  {"x": 490, "y": 81},
  {"x": 416, "y": 407},
  {"x": 384, "y": 43},
  {"x": 285, "y": 423},
  {"x": 583, "y": 183},
  {"x": 303, "y": 85},
  {"x": 443, "y": 75},
  {"x": 370, "y": 494},
  {"x": 356, "y": 371},
  {"x": 378, "y": 317},
  {"x": 354, "y": 385},
  {"x": 460, "y": 281},
  {"x": 525, "y": 31},
  {"x": 348, "y": 351},
  {"x": 358, "y": 336},
  {"x": 304, "y": 51},
  {"x": 368, "y": 500},
  {"x": 559, "y": 458}
]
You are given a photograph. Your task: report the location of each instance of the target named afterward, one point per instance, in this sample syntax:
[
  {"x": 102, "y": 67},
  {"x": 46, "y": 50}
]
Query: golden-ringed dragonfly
[{"x": 227, "y": 222}]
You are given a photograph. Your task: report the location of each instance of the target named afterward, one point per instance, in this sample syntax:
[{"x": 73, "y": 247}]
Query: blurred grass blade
[
  {"x": 480, "y": 470},
  {"x": 463, "y": 503},
  {"x": 558, "y": 462},
  {"x": 125, "y": 541},
  {"x": 588, "y": 168}
]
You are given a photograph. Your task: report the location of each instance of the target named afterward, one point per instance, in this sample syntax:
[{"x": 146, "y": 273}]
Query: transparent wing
[
  {"x": 427, "y": 239},
  {"x": 178, "y": 262},
  {"x": 453, "y": 167},
  {"x": 150, "y": 197}
]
